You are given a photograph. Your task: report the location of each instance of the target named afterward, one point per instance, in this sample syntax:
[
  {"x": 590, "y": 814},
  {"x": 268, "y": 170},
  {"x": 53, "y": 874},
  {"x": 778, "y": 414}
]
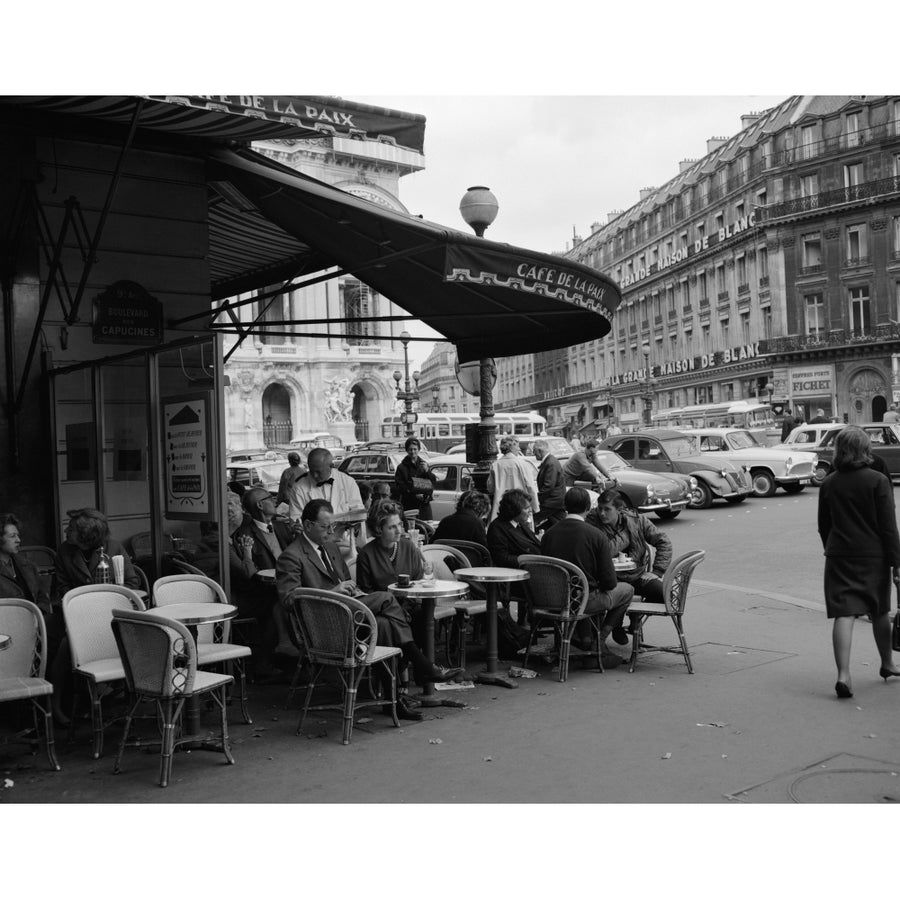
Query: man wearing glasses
[{"x": 313, "y": 560}]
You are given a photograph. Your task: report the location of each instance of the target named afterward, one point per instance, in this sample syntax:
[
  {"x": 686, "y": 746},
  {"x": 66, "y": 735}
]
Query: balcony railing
[
  {"x": 857, "y": 260},
  {"x": 763, "y": 281},
  {"x": 673, "y": 313},
  {"x": 723, "y": 295},
  {"x": 828, "y": 199},
  {"x": 686, "y": 308},
  {"x": 811, "y": 270},
  {"x": 850, "y": 141},
  {"x": 704, "y": 302},
  {"x": 836, "y": 337},
  {"x": 744, "y": 288}
]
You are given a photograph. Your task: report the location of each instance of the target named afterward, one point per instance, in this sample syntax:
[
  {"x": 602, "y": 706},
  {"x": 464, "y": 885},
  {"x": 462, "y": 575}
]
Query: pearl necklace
[{"x": 394, "y": 552}]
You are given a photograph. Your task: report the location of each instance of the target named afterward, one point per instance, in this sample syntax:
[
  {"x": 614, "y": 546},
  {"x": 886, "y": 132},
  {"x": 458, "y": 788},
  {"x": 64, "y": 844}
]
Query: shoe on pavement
[
  {"x": 439, "y": 673},
  {"x": 620, "y": 635},
  {"x": 403, "y": 712}
]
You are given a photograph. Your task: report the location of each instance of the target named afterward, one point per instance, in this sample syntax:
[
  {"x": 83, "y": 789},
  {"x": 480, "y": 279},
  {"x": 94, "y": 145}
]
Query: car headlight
[
  {"x": 723, "y": 473},
  {"x": 651, "y": 493},
  {"x": 788, "y": 464},
  {"x": 693, "y": 483}
]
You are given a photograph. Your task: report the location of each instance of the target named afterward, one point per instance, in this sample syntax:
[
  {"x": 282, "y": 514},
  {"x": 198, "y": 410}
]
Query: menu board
[{"x": 187, "y": 462}]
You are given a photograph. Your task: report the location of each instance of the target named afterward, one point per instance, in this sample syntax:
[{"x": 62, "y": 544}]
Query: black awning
[
  {"x": 489, "y": 299},
  {"x": 251, "y": 118}
]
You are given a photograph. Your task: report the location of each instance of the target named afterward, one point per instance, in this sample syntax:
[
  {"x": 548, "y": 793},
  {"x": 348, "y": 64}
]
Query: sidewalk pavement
[{"x": 757, "y": 722}]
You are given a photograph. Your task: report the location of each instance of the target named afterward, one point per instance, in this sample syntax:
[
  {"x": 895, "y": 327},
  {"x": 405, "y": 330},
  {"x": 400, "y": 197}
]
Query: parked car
[
  {"x": 808, "y": 437},
  {"x": 559, "y": 447},
  {"x": 373, "y": 464},
  {"x": 885, "y": 440},
  {"x": 649, "y": 492},
  {"x": 454, "y": 475},
  {"x": 384, "y": 446},
  {"x": 663, "y": 450},
  {"x": 265, "y": 474},
  {"x": 770, "y": 468}
]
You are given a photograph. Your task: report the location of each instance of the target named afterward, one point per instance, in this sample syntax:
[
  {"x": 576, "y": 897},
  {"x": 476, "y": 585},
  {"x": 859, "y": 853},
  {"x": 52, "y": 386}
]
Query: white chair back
[
  {"x": 87, "y": 612},
  {"x": 26, "y": 654},
  {"x": 191, "y": 589}
]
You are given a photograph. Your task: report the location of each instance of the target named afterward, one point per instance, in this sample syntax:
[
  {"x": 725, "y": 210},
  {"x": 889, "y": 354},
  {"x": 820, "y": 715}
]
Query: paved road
[{"x": 758, "y": 722}]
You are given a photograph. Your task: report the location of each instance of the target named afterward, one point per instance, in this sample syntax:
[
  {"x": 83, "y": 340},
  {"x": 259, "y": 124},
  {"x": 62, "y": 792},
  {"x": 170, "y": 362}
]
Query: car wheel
[
  {"x": 701, "y": 496},
  {"x": 793, "y": 488},
  {"x": 820, "y": 473},
  {"x": 666, "y": 514},
  {"x": 763, "y": 483},
  {"x": 736, "y": 499}
]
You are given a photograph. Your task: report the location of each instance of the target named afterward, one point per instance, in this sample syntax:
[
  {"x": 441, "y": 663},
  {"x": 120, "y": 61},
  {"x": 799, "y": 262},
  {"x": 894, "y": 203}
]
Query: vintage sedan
[
  {"x": 665, "y": 451},
  {"x": 649, "y": 492},
  {"x": 770, "y": 468},
  {"x": 885, "y": 441},
  {"x": 808, "y": 436}
]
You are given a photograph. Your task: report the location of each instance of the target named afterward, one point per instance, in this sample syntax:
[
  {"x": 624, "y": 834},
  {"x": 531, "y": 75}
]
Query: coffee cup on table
[{"x": 403, "y": 580}]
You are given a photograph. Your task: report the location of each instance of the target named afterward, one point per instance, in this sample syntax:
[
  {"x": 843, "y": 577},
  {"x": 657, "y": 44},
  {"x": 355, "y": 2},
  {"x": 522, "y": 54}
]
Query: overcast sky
[{"x": 554, "y": 163}]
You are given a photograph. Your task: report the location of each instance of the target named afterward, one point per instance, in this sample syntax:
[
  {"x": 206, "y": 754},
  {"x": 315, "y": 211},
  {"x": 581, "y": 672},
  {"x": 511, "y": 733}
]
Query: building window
[
  {"x": 739, "y": 210},
  {"x": 741, "y": 264},
  {"x": 357, "y": 304},
  {"x": 857, "y": 244},
  {"x": 704, "y": 338},
  {"x": 686, "y": 292},
  {"x": 815, "y": 315},
  {"x": 808, "y": 134},
  {"x": 853, "y": 174},
  {"x": 762, "y": 254},
  {"x": 895, "y": 232},
  {"x": 701, "y": 281},
  {"x": 727, "y": 391},
  {"x": 724, "y": 324},
  {"x": 720, "y": 221},
  {"x": 851, "y": 129},
  {"x": 812, "y": 251},
  {"x": 745, "y": 327},
  {"x": 761, "y": 197},
  {"x": 452, "y": 391},
  {"x": 683, "y": 240},
  {"x": 809, "y": 185},
  {"x": 701, "y": 230},
  {"x": 720, "y": 278},
  {"x": 860, "y": 311},
  {"x": 767, "y": 322}
]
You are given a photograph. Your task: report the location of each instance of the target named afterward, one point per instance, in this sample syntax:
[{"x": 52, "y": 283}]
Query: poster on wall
[
  {"x": 187, "y": 457},
  {"x": 129, "y": 448}
]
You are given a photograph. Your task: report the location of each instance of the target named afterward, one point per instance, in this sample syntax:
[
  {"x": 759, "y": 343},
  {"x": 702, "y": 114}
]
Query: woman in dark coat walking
[{"x": 858, "y": 527}]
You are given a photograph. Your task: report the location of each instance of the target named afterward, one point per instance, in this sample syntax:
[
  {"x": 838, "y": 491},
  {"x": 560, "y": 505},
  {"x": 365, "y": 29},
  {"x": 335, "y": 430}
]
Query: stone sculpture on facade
[{"x": 338, "y": 400}]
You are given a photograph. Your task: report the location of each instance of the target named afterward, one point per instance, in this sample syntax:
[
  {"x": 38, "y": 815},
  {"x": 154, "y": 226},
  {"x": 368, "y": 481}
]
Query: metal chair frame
[
  {"x": 95, "y": 657},
  {"x": 46, "y": 562},
  {"x": 341, "y": 633},
  {"x": 565, "y": 612},
  {"x": 463, "y": 611},
  {"x": 676, "y": 582},
  {"x": 213, "y": 645},
  {"x": 168, "y": 681},
  {"x": 23, "y": 665}
]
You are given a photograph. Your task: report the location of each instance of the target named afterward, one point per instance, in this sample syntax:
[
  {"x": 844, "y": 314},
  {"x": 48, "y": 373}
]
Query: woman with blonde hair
[{"x": 858, "y": 526}]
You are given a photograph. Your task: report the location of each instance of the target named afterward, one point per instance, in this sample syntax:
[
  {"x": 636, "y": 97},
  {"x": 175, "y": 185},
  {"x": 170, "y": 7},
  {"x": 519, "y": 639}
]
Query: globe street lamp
[
  {"x": 647, "y": 389},
  {"x": 408, "y": 396},
  {"x": 479, "y": 208}
]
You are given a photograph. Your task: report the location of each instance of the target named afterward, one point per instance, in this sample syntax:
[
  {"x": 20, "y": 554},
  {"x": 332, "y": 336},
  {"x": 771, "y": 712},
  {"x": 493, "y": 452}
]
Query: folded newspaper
[{"x": 454, "y": 685}]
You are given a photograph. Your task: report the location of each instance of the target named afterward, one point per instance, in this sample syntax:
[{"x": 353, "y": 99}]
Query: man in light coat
[{"x": 510, "y": 471}]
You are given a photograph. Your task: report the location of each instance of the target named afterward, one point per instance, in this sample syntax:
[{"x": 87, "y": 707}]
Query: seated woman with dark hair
[
  {"x": 467, "y": 523},
  {"x": 510, "y": 536},
  {"x": 87, "y": 536},
  {"x": 387, "y": 554}
]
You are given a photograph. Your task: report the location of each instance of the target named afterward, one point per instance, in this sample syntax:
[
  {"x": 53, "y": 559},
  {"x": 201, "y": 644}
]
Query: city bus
[
  {"x": 749, "y": 414},
  {"x": 443, "y": 430}
]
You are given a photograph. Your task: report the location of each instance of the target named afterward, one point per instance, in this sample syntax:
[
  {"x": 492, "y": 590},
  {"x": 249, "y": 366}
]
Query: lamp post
[
  {"x": 647, "y": 389},
  {"x": 479, "y": 208},
  {"x": 770, "y": 389},
  {"x": 408, "y": 396},
  {"x": 435, "y": 399}
]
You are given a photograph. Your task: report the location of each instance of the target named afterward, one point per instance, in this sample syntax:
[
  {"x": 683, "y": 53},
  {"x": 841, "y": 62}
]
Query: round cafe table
[
  {"x": 266, "y": 575},
  {"x": 624, "y": 566},
  {"x": 491, "y": 577},
  {"x": 5, "y": 641},
  {"x": 192, "y": 615},
  {"x": 428, "y": 593}
]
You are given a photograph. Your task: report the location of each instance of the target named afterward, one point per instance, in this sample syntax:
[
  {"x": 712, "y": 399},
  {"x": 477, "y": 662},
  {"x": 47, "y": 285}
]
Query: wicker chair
[
  {"x": 46, "y": 562},
  {"x": 423, "y": 527},
  {"x": 240, "y": 625},
  {"x": 557, "y": 591},
  {"x": 213, "y": 646},
  {"x": 87, "y": 612},
  {"x": 23, "y": 664},
  {"x": 145, "y": 581},
  {"x": 676, "y": 582},
  {"x": 340, "y": 633},
  {"x": 445, "y": 559},
  {"x": 160, "y": 661}
]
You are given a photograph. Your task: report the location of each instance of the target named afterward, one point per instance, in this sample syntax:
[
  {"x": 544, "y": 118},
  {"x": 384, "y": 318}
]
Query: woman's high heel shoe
[
  {"x": 842, "y": 690},
  {"x": 887, "y": 673}
]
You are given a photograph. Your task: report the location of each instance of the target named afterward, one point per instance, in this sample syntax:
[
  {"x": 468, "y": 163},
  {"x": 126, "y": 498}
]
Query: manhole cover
[{"x": 843, "y": 778}]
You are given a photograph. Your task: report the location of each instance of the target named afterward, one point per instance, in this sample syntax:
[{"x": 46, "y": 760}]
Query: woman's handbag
[
  {"x": 422, "y": 485},
  {"x": 895, "y": 630}
]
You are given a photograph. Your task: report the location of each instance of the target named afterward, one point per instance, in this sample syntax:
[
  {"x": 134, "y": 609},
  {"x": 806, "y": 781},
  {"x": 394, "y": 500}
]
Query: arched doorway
[
  {"x": 867, "y": 391},
  {"x": 365, "y": 412},
  {"x": 276, "y": 410}
]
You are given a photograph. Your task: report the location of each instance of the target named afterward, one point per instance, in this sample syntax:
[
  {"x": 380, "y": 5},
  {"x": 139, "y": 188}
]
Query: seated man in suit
[
  {"x": 258, "y": 542},
  {"x": 313, "y": 560},
  {"x": 577, "y": 542}
]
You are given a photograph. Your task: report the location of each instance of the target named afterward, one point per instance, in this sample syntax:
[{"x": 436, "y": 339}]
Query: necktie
[
  {"x": 326, "y": 560},
  {"x": 269, "y": 528},
  {"x": 323, "y": 483}
]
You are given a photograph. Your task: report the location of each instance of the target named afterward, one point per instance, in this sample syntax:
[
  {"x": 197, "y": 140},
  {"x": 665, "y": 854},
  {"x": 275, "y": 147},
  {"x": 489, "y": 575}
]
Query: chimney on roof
[
  {"x": 646, "y": 192},
  {"x": 714, "y": 143},
  {"x": 595, "y": 226},
  {"x": 613, "y": 215},
  {"x": 748, "y": 119},
  {"x": 685, "y": 164}
]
